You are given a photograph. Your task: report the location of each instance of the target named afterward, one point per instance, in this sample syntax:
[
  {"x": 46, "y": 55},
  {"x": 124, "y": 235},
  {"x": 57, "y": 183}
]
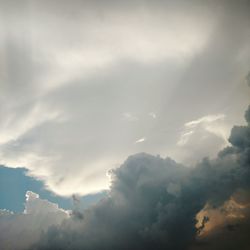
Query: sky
[
  {"x": 15, "y": 183},
  {"x": 85, "y": 85}
]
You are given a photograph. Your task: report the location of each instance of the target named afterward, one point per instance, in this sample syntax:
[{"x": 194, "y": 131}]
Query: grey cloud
[
  {"x": 248, "y": 79},
  {"x": 247, "y": 114},
  {"x": 143, "y": 212},
  {"x": 230, "y": 225},
  {"x": 139, "y": 214}
]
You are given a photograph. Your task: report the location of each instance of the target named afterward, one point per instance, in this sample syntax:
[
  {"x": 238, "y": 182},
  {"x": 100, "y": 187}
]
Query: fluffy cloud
[
  {"x": 19, "y": 231},
  {"x": 79, "y": 80}
]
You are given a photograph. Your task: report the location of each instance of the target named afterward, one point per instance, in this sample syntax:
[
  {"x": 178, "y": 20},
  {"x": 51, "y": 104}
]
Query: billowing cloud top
[{"x": 19, "y": 231}]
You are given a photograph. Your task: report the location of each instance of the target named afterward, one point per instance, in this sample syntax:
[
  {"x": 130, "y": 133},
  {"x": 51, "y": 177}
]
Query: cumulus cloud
[
  {"x": 19, "y": 231},
  {"x": 156, "y": 203}
]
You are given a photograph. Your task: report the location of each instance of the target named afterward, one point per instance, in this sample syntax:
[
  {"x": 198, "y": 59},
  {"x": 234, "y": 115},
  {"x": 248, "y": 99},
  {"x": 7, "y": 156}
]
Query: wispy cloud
[
  {"x": 143, "y": 139},
  {"x": 152, "y": 114},
  {"x": 210, "y": 123},
  {"x": 129, "y": 117}
]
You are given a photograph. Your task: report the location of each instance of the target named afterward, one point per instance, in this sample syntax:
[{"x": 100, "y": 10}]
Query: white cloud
[
  {"x": 35, "y": 205},
  {"x": 140, "y": 140},
  {"x": 202, "y": 137},
  {"x": 184, "y": 138},
  {"x": 205, "y": 119},
  {"x": 211, "y": 123},
  {"x": 15, "y": 126},
  {"x": 20, "y": 231}
]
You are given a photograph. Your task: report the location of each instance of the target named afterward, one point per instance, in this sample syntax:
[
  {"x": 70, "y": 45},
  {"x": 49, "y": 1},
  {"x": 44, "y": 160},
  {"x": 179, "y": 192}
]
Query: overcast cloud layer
[{"x": 86, "y": 83}]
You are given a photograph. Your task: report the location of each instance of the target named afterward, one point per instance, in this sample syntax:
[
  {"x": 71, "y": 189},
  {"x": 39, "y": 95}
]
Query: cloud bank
[{"x": 155, "y": 203}]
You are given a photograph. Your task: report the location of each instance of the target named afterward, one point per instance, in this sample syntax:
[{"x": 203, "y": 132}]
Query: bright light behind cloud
[
  {"x": 210, "y": 123},
  {"x": 210, "y": 131},
  {"x": 85, "y": 84}
]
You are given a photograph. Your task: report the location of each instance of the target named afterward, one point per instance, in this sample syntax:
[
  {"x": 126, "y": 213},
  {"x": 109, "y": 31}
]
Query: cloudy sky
[{"x": 85, "y": 84}]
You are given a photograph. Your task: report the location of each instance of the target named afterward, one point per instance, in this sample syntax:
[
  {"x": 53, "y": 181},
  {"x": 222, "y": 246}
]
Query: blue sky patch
[{"x": 14, "y": 183}]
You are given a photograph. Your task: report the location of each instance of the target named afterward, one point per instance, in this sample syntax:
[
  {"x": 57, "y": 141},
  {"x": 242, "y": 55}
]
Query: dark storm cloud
[
  {"x": 144, "y": 211},
  {"x": 153, "y": 202}
]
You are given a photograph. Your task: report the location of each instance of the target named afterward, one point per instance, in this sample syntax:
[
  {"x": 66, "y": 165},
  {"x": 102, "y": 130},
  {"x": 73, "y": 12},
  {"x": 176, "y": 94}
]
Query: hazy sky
[
  {"x": 146, "y": 101},
  {"x": 84, "y": 84}
]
